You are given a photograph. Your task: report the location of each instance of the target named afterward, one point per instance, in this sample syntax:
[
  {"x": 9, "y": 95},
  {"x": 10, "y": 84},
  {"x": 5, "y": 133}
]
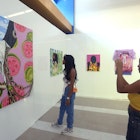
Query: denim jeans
[
  {"x": 68, "y": 109},
  {"x": 133, "y": 129}
]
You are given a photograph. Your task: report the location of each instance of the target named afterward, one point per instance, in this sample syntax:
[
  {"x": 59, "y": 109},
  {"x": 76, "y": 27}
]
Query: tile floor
[{"x": 95, "y": 119}]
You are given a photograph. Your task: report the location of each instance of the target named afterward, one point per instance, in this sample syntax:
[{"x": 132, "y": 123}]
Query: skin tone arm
[
  {"x": 72, "y": 80},
  {"x": 122, "y": 85}
]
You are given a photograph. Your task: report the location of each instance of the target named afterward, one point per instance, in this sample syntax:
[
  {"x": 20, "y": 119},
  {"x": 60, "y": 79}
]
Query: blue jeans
[
  {"x": 68, "y": 109},
  {"x": 133, "y": 129}
]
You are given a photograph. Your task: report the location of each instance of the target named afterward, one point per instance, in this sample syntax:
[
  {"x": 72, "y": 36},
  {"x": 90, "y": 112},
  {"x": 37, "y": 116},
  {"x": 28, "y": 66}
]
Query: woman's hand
[
  {"x": 119, "y": 66},
  {"x": 67, "y": 102}
]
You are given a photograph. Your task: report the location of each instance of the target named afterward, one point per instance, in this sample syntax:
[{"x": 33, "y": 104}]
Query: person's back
[{"x": 68, "y": 97}]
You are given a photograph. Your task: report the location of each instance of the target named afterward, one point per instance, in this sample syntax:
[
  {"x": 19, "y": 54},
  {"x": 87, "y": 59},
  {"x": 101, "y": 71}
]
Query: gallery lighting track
[{"x": 48, "y": 10}]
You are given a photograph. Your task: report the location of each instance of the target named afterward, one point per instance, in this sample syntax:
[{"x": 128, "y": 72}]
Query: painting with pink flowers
[
  {"x": 16, "y": 62},
  {"x": 127, "y": 57}
]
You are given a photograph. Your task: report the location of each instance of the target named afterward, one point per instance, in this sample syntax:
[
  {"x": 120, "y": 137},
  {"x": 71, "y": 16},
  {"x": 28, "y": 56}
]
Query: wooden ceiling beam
[{"x": 48, "y": 10}]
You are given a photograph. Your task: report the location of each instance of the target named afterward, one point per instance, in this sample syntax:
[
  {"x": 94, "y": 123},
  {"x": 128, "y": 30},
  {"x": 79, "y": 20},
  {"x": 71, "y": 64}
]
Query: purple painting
[{"x": 126, "y": 56}]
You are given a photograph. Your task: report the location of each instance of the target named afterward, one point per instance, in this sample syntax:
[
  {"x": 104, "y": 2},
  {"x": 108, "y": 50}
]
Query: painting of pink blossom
[{"x": 127, "y": 57}]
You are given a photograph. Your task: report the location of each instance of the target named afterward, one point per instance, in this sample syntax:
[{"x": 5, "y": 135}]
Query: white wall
[
  {"x": 16, "y": 118},
  {"x": 98, "y": 84},
  {"x": 102, "y": 32},
  {"x": 111, "y": 29}
]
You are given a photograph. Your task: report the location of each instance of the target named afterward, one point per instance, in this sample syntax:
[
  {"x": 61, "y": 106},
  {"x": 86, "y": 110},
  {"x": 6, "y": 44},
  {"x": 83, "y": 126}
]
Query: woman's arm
[
  {"x": 129, "y": 88},
  {"x": 122, "y": 85},
  {"x": 71, "y": 85}
]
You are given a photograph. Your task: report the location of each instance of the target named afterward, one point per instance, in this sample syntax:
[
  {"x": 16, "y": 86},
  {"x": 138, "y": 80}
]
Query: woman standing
[
  {"x": 133, "y": 90},
  {"x": 67, "y": 101}
]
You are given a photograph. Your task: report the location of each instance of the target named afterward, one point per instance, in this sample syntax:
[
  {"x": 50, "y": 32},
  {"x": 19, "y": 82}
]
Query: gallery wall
[
  {"x": 99, "y": 84},
  {"x": 103, "y": 39},
  {"x": 46, "y": 90},
  {"x": 108, "y": 30}
]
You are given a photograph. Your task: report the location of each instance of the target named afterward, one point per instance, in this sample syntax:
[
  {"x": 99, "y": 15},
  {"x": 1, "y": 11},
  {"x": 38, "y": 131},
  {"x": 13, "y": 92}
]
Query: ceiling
[
  {"x": 81, "y": 8},
  {"x": 96, "y": 5}
]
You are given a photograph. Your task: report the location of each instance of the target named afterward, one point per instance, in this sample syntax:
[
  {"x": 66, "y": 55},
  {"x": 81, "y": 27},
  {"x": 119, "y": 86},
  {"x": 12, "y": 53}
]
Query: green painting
[{"x": 56, "y": 58}]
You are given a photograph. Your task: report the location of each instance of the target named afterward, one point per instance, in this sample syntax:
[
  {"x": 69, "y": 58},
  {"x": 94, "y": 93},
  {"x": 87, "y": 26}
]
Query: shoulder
[
  {"x": 134, "y": 87},
  {"x": 73, "y": 70}
]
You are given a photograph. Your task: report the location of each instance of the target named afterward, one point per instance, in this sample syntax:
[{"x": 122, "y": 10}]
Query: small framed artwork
[
  {"x": 93, "y": 62},
  {"x": 127, "y": 57},
  {"x": 56, "y": 58}
]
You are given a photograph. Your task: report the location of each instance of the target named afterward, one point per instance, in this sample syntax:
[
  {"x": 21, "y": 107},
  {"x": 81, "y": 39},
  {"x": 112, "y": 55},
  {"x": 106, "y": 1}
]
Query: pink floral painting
[
  {"x": 93, "y": 62},
  {"x": 127, "y": 57},
  {"x": 16, "y": 62}
]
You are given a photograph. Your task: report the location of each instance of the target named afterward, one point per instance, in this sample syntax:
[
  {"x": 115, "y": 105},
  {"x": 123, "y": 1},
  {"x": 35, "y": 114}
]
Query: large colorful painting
[
  {"x": 16, "y": 62},
  {"x": 56, "y": 58},
  {"x": 127, "y": 57},
  {"x": 93, "y": 62}
]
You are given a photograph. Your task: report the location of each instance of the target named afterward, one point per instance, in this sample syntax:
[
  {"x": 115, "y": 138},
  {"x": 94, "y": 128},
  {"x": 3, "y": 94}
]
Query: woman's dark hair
[
  {"x": 55, "y": 58},
  {"x": 69, "y": 64}
]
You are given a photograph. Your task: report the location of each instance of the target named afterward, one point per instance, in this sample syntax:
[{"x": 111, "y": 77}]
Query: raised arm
[{"x": 122, "y": 85}]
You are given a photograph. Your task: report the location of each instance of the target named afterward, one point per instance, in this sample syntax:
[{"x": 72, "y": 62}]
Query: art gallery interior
[{"x": 100, "y": 28}]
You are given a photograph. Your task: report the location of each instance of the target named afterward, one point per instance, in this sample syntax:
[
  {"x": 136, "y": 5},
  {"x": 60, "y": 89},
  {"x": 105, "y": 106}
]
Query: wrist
[
  {"x": 68, "y": 98},
  {"x": 119, "y": 71}
]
